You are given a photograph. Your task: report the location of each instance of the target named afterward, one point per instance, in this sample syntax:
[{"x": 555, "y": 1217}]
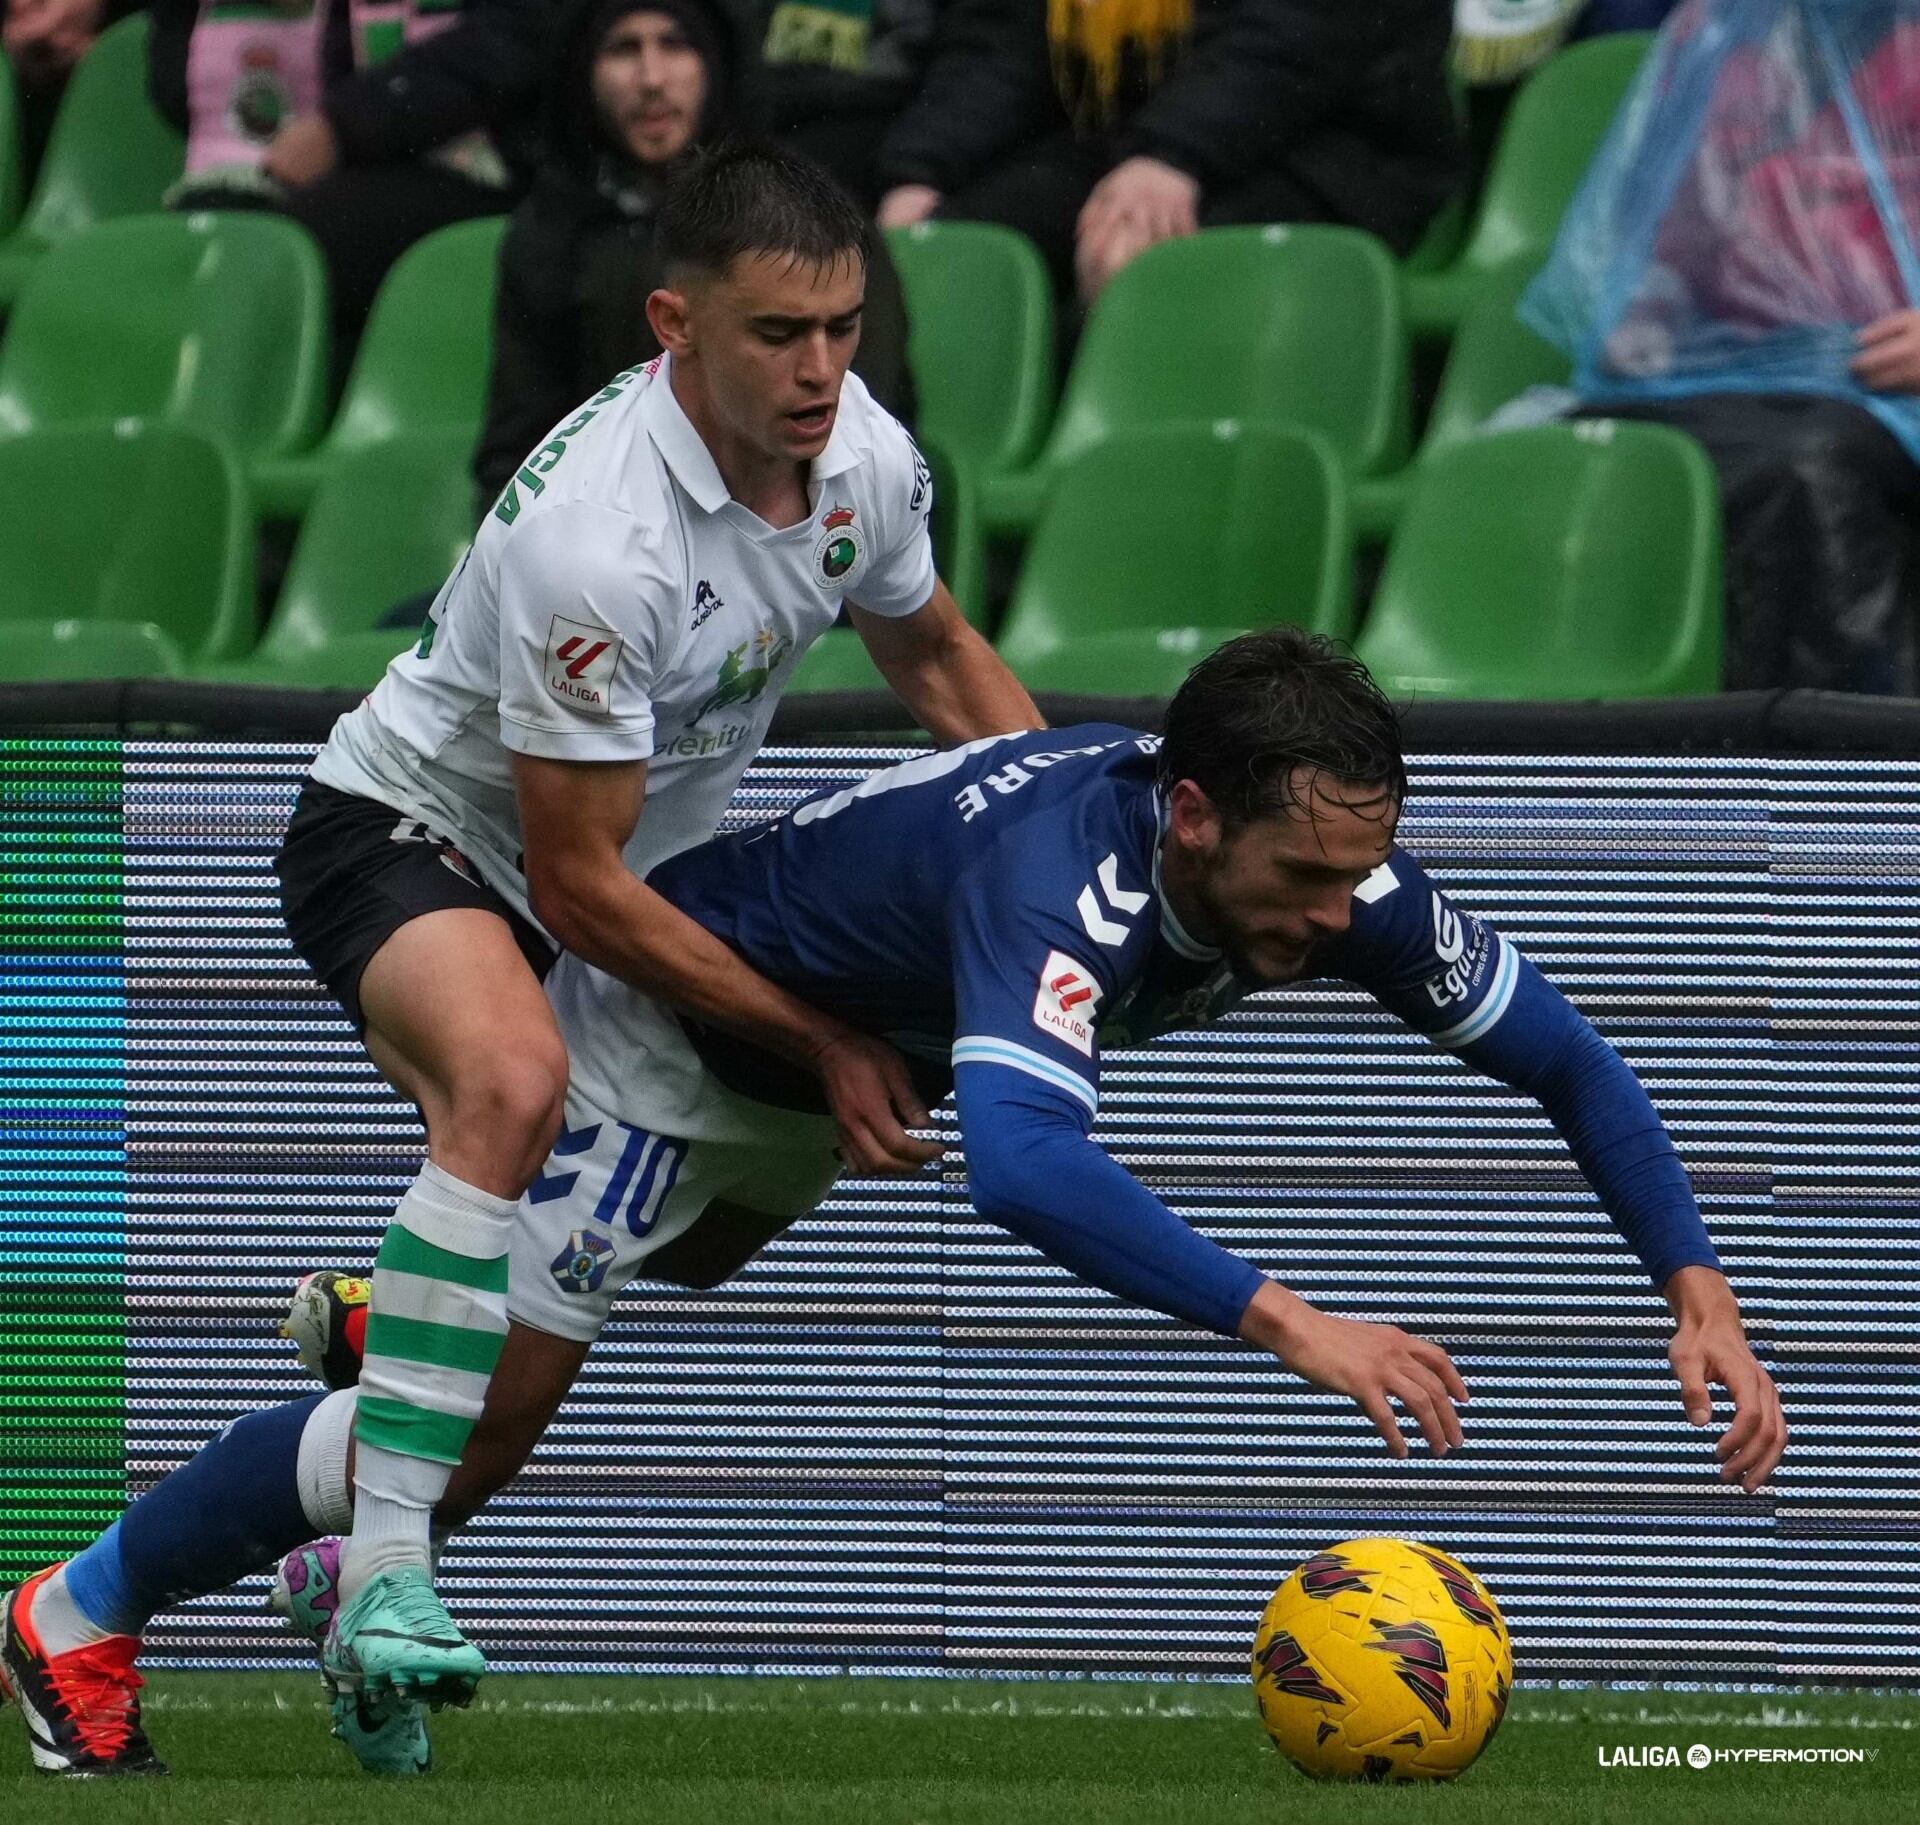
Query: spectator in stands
[
  {"x": 1099, "y": 127},
  {"x": 837, "y": 76},
  {"x": 370, "y": 127},
  {"x": 633, "y": 88},
  {"x": 43, "y": 40},
  {"x": 1738, "y": 269}
]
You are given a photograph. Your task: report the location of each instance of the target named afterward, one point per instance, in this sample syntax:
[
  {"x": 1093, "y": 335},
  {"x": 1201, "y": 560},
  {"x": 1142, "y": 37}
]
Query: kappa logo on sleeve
[
  {"x": 580, "y": 663},
  {"x": 1067, "y": 999}
]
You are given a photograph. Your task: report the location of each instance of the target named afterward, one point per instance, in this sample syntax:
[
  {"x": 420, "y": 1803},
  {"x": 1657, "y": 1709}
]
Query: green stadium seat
[
  {"x": 110, "y": 153},
  {"x": 1157, "y": 545},
  {"x": 980, "y": 306},
  {"x": 1566, "y": 561},
  {"x": 1550, "y": 135},
  {"x": 422, "y": 365},
  {"x": 838, "y": 660},
  {"x": 1493, "y": 358},
  {"x": 388, "y": 522},
  {"x": 129, "y": 523},
  {"x": 45, "y": 652},
  {"x": 214, "y": 321},
  {"x": 1274, "y": 325}
]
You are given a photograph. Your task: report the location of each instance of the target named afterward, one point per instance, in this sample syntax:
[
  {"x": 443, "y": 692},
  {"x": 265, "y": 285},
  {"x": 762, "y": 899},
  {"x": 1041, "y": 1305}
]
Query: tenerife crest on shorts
[{"x": 840, "y": 551}]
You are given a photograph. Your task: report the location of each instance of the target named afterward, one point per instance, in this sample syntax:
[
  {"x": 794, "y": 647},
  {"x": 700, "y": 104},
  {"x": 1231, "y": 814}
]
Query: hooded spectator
[{"x": 632, "y": 90}]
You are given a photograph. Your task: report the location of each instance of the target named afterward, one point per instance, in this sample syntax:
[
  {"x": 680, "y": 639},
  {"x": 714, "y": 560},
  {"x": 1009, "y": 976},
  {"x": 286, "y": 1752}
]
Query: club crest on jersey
[
  {"x": 839, "y": 551},
  {"x": 580, "y": 663},
  {"x": 1066, "y": 1001}
]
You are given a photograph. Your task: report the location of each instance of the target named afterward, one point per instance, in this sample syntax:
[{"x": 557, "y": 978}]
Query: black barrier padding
[{"x": 1737, "y": 723}]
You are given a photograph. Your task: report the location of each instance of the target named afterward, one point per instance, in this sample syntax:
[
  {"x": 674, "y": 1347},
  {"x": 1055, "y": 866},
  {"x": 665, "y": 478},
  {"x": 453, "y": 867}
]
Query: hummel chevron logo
[
  {"x": 551, "y": 1185},
  {"x": 1093, "y": 913}
]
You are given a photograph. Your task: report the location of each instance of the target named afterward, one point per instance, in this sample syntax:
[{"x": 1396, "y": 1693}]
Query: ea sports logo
[{"x": 839, "y": 551}]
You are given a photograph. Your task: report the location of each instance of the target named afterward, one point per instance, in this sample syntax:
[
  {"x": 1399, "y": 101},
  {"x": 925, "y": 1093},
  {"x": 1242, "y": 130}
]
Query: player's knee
[{"x": 509, "y": 1109}]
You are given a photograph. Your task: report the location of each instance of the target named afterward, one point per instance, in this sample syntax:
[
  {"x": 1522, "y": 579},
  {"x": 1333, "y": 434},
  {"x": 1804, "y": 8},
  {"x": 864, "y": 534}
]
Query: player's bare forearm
[
  {"x": 956, "y": 685},
  {"x": 576, "y": 817},
  {"x": 1696, "y": 1294}
]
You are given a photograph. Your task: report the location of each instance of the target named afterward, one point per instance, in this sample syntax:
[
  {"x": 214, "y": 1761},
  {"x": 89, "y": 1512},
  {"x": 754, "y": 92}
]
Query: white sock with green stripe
[{"x": 434, "y": 1331}]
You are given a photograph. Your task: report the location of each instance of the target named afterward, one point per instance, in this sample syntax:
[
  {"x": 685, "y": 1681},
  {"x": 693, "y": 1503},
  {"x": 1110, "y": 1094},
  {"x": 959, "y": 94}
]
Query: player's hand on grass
[
  {"x": 1710, "y": 1348},
  {"x": 874, "y": 1103},
  {"x": 1377, "y": 1364}
]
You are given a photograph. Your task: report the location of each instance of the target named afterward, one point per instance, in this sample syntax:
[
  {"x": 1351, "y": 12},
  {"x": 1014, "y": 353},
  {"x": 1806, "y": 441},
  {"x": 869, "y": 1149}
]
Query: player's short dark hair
[
  {"x": 744, "y": 196},
  {"x": 1264, "y": 705}
]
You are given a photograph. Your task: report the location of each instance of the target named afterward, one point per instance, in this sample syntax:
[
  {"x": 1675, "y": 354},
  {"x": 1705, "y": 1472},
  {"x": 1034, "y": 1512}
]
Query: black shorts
[{"x": 353, "y": 871}]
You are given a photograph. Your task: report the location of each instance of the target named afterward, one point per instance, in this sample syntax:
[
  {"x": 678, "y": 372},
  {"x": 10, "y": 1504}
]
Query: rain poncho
[{"x": 1756, "y": 203}]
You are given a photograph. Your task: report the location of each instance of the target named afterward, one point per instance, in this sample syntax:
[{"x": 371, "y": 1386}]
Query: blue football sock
[{"x": 231, "y": 1510}]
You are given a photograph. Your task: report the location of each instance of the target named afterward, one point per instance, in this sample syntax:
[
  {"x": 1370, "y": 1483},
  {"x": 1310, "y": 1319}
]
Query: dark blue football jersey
[{"x": 1000, "y": 903}]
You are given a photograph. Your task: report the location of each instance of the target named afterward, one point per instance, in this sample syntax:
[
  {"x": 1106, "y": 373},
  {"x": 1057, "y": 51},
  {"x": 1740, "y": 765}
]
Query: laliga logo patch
[
  {"x": 581, "y": 660},
  {"x": 839, "y": 552},
  {"x": 582, "y": 1264},
  {"x": 1066, "y": 1001}
]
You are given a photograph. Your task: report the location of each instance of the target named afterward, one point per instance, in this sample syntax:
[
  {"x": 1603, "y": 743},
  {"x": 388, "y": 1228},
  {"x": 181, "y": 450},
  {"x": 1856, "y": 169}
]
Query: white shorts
[{"x": 650, "y": 1144}]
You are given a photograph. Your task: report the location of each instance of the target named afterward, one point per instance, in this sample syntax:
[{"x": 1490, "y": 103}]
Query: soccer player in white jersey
[{"x": 591, "y": 682}]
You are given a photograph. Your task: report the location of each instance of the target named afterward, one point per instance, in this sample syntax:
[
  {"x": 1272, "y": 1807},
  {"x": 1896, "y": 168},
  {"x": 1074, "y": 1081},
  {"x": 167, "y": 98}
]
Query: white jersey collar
[
  {"x": 1171, "y": 929},
  {"x": 692, "y": 464}
]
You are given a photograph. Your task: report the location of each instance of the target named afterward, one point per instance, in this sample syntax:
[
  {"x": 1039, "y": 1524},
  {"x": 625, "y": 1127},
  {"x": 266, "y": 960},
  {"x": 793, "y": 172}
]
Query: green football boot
[
  {"x": 386, "y": 1737},
  {"x": 396, "y": 1638}
]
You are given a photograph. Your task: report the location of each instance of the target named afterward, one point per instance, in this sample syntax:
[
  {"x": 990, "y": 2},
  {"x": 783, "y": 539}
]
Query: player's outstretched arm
[
  {"x": 956, "y": 685},
  {"x": 1035, "y": 1171},
  {"x": 1457, "y": 980}
]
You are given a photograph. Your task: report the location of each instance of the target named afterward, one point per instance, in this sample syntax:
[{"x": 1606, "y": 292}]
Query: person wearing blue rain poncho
[{"x": 1741, "y": 263}]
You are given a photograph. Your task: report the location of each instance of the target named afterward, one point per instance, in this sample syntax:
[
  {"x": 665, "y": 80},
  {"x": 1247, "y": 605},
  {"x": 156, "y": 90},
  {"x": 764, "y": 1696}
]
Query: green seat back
[
  {"x": 213, "y": 321},
  {"x": 1549, "y": 137},
  {"x": 130, "y": 523},
  {"x": 1494, "y": 358},
  {"x": 1182, "y": 535},
  {"x": 981, "y": 337},
  {"x": 423, "y": 361},
  {"x": 389, "y": 522},
  {"x": 1564, "y": 561},
  {"x": 41, "y": 652},
  {"x": 110, "y": 153},
  {"x": 1300, "y": 325}
]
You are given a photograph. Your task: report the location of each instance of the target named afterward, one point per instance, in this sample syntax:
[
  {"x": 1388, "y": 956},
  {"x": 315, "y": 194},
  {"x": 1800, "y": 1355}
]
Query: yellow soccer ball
[{"x": 1382, "y": 1660}]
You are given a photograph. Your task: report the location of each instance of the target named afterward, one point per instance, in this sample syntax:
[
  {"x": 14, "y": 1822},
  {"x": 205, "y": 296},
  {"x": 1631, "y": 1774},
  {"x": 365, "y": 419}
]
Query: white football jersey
[{"x": 618, "y": 604}]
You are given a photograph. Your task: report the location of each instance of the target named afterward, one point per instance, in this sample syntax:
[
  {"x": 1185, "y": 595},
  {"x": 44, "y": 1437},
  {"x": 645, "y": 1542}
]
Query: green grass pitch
[{"x": 252, "y": 1749}]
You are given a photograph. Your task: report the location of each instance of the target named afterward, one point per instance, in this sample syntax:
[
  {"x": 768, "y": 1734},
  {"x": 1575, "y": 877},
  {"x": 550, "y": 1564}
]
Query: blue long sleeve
[
  {"x": 1035, "y": 1172},
  {"x": 1543, "y": 1045}
]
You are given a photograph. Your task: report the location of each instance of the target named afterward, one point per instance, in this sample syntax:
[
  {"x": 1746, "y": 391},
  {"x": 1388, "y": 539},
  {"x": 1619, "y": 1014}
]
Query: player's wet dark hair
[
  {"x": 1264, "y": 705},
  {"x": 744, "y": 196}
]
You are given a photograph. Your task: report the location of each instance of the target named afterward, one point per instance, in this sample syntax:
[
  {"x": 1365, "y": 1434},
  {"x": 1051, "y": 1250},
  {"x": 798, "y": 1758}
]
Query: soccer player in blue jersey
[{"x": 999, "y": 912}]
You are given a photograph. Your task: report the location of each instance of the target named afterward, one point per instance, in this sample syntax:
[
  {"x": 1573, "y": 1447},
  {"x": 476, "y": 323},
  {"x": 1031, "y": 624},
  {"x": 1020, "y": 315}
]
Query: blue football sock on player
[{"x": 231, "y": 1510}]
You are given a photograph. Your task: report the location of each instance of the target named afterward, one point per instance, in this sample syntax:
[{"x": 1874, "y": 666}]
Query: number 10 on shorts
[{"x": 642, "y": 1180}]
